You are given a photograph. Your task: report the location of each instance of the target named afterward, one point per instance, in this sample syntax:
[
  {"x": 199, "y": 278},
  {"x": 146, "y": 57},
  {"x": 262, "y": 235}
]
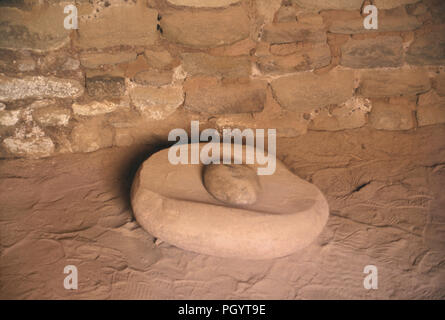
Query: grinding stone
[{"x": 172, "y": 203}]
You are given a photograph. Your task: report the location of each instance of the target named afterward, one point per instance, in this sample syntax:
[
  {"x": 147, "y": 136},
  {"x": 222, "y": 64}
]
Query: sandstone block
[
  {"x": 303, "y": 59},
  {"x": 29, "y": 142},
  {"x": 154, "y": 77},
  {"x": 38, "y": 87},
  {"x": 204, "y": 96},
  {"x": 9, "y": 117},
  {"x": 206, "y": 29},
  {"x": 372, "y": 53},
  {"x": 395, "y": 115},
  {"x": 52, "y": 116},
  {"x": 284, "y": 49},
  {"x": 310, "y": 18},
  {"x": 349, "y": 115},
  {"x": 428, "y": 49},
  {"x": 286, "y": 14},
  {"x": 240, "y": 48},
  {"x": 387, "y": 83},
  {"x": 119, "y": 25},
  {"x": 157, "y": 102},
  {"x": 287, "y": 32},
  {"x": 104, "y": 86},
  {"x": 159, "y": 59},
  {"x": 307, "y": 91},
  {"x": 94, "y": 108},
  {"x": 138, "y": 65},
  {"x": 431, "y": 109},
  {"x": 201, "y": 64},
  {"x": 38, "y": 29},
  {"x": 266, "y": 9}
]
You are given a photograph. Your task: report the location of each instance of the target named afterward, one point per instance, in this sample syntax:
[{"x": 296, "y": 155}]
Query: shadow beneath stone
[{"x": 132, "y": 163}]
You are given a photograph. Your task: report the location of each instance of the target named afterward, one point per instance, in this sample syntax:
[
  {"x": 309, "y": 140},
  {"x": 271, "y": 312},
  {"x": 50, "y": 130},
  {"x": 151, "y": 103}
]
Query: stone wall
[{"x": 133, "y": 70}]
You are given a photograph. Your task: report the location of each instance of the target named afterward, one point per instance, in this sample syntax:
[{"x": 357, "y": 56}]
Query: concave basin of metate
[
  {"x": 227, "y": 210},
  {"x": 233, "y": 184}
]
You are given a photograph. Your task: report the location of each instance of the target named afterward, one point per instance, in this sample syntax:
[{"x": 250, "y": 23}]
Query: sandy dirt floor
[{"x": 387, "y": 208}]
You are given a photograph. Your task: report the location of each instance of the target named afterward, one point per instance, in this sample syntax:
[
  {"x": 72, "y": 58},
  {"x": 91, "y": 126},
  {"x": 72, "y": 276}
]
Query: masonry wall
[
  {"x": 359, "y": 113},
  {"x": 133, "y": 70}
]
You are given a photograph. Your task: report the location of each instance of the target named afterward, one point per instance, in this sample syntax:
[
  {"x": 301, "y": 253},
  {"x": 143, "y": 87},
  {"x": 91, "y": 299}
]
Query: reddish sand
[{"x": 385, "y": 192}]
